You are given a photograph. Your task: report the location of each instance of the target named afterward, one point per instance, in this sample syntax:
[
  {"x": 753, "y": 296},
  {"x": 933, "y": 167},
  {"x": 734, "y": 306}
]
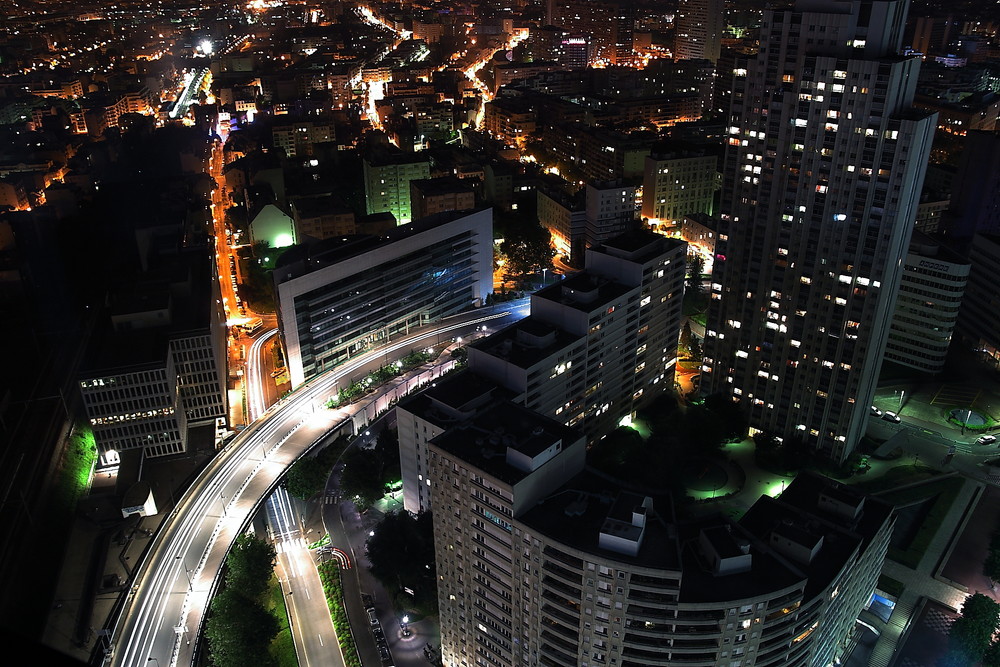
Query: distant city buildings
[{"x": 387, "y": 182}]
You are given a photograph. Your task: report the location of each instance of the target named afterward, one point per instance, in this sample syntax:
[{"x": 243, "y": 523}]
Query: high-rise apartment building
[
  {"x": 596, "y": 347},
  {"x": 979, "y": 319},
  {"x": 541, "y": 563},
  {"x": 930, "y": 294},
  {"x": 824, "y": 166},
  {"x": 699, "y": 29}
]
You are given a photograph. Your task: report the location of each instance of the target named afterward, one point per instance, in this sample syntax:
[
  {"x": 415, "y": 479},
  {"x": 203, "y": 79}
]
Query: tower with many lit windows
[{"x": 825, "y": 161}]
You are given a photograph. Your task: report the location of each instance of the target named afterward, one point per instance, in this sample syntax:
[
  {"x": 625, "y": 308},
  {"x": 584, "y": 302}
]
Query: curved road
[{"x": 161, "y": 618}]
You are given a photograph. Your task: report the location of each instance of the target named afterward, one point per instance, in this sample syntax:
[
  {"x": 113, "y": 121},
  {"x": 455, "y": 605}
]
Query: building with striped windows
[
  {"x": 542, "y": 563},
  {"x": 339, "y": 297}
]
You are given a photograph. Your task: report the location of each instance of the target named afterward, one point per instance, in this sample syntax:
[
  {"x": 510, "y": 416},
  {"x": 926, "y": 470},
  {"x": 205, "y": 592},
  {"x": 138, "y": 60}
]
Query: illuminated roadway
[
  {"x": 190, "y": 90},
  {"x": 161, "y": 618}
]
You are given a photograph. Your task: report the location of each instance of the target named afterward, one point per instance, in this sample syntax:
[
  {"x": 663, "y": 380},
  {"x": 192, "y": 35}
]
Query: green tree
[
  {"x": 306, "y": 477},
  {"x": 239, "y": 630},
  {"x": 249, "y": 566},
  {"x": 695, "y": 270},
  {"x": 972, "y": 633},
  {"x": 401, "y": 553},
  {"x": 363, "y": 477},
  {"x": 526, "y": 248},
  {"x": 733, "y": 421}
]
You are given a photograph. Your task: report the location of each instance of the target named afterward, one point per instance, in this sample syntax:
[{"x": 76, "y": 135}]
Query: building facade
[
  {"x": 699, "y": 29},
  {"x": 979, "y": 319},
  {"x": 540, "y": 563},
  {"x": 930, "y": 294},
  {"x": 597, "y": 347},
  {"x": 676, "y": 184},
  {"x": 824, "y": 166},
  {"x": 133, "y": 408},
  {"x": 338, "y": 298},
  {"x": 387, "y": 182}
]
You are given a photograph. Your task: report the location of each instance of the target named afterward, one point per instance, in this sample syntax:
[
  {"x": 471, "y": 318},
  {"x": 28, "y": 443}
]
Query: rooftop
[
  {"x": 485, "y": 441},
  {"x": 583, "y": 291},
  {"x": 525, "y": 343}
]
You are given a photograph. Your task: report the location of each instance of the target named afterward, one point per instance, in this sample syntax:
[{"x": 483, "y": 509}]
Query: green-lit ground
[{"x": 283, "y": 647}]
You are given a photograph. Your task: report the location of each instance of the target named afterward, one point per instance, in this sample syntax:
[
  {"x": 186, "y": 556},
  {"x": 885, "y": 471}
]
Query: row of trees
[{"x": 240, "y": 627}]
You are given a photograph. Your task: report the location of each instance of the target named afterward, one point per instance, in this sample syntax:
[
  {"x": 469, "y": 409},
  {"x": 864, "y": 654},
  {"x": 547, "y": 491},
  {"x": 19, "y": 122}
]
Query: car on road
[
  {"x": 876, "y": 412},
  {"x": 986, "y": 440},
  {"x": 890, "y": 416},
  {"x": 383, "y": 652}
]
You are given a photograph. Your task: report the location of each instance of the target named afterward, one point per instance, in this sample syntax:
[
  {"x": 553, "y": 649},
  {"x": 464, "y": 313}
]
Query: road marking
[{"x": 321, "y": 640}]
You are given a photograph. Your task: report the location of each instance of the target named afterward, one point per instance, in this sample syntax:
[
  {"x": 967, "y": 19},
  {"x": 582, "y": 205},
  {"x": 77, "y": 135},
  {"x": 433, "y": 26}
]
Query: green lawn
[
  {"x": 943, "y": 492},
  {"x": 283, "y": 646}
]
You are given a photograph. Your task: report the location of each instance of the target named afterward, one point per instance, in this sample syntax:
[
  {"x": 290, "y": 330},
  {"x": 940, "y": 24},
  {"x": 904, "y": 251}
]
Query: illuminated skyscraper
[{"x": 824, "y": 167}]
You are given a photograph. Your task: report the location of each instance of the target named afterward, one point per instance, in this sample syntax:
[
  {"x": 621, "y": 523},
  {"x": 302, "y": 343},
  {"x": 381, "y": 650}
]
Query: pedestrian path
[{"x": 921, "y": 583}]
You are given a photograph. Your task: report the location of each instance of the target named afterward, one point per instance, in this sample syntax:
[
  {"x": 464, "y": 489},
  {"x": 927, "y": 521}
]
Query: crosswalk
[{"x": 287, "y": 546}]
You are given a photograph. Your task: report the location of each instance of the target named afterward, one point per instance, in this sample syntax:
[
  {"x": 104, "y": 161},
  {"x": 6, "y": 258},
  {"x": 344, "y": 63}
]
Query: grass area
[
  {"x": 943, "y": 492},
  {"x": 890, "y": 586},
  {"x": 329, "y": 574},
  {"x": 900, "y": 475},
  {"x": 58, "y": 507},
  {"x": 283, "y": 647}
]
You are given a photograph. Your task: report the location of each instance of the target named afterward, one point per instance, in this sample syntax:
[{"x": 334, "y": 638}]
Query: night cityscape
[{"x": 507, "y": 333}]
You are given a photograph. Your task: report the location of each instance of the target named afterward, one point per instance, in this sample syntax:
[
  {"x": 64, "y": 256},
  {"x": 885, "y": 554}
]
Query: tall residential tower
[{"x": 824, "y": 167}]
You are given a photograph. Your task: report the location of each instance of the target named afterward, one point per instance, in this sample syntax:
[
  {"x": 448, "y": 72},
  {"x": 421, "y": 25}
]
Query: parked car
[
  {"x": 986, "y": 440},
  {"x": 876, "y": 412},
  {"x": 372, "y": 616},
  {"x": 890, "y": 416}
]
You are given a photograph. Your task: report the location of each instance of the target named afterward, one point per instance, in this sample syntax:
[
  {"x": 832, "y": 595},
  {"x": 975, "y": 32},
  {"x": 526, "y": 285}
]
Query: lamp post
[{"x": 187, "y": 573}]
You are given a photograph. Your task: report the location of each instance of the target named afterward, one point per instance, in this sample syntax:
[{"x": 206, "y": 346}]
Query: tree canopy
[
  {"x": 367, "y": 472},
  {"x": 239, "y": 628},
  {"x": 401, "y": 553},
  {"x": 971, "y": 634},
  {"x": 526, "y": 248}
]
